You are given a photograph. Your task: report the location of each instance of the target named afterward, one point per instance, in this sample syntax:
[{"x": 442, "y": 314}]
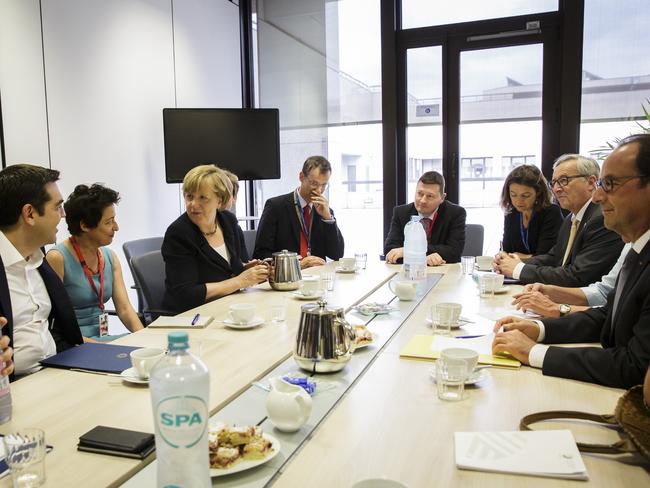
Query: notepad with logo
[
  {"x": 165, "y": 322},
  {"x": 426, "y": 347},
  {"x": 90, "y": 356},
  {"x": 547, "y": 453}
]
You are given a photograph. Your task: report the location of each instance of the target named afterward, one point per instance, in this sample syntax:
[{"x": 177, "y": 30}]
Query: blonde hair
[
  {"x": 234, "y": 180},
  {"x": 211, "y": 177}
]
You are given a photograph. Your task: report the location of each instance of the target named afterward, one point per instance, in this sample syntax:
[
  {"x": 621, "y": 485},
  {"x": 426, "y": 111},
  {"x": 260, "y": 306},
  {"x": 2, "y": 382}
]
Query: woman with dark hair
[
  {"x": 91, "y": 273},
  {"x": 531, "y": 220}
]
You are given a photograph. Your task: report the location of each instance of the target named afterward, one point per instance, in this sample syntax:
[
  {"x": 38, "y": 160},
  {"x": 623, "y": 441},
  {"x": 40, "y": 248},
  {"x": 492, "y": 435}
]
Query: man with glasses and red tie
[
  {"x": 585, "y": 250},
  {"x": 443, "y": 222},
  {"x": 622, "y": 326},
  {"x": 302, "y": 221}
]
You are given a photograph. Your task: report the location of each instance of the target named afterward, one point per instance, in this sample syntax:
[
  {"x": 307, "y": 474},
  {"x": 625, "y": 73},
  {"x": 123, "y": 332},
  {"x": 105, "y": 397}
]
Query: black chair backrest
[
  {"x": 473, "y": 240},
  {"x": 149, "y": 271},
  {"x": 135, "y": 248},
  {"x": 249, "y": 241}
]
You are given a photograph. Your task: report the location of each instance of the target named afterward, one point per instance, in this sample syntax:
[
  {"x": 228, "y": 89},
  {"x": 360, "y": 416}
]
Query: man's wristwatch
[{"x": 564, "y": 309}]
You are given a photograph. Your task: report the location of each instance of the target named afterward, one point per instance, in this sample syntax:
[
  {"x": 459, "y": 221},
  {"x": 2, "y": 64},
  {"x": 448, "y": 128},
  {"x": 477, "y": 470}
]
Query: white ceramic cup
[
  {"x": 242, "y": 313},
  {"x": 498, "y": 281},
  {"x": 403, "y": 289},
  {"x": 309, "y": 285},
  {"x": 347, "y": 264},
  {"x": 468, "y": 356},
  {"x": 484, "y": 262},
  {"x": 143, "y": 360}
]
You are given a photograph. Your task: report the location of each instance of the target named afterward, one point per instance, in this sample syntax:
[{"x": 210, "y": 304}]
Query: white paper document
[
  {"x": 500, "y": 312},
  {"x": 548, "y": 453},
  {"x": 181, "y": 322}
]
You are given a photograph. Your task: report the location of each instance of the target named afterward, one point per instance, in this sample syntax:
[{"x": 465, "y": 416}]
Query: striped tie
[{"x": 572, "y": 237}]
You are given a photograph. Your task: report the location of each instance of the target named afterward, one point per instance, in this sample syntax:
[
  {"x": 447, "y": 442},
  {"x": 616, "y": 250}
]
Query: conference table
[{"x": 383, "y": 419}]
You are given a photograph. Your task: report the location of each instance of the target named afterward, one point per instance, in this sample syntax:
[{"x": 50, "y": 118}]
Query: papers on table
[
  {"x": 549, "y": 453},
  {"x": 181, "y": 322},
  {"x": 500, "y": 312},
  {"x": 428, "y": 347}
]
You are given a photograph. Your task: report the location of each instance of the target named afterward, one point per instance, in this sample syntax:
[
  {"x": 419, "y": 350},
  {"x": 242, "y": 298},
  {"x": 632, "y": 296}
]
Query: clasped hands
[
  {"x": 505, "y": 263},
  {"x": 516, "y": 337},
  {"x": 433, "y": 259}
]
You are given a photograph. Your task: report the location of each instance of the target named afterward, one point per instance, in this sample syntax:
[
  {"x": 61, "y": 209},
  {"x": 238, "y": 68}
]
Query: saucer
[
  {"x": 131, "y": 376},
  {"x": 474, "y": 377},
  {"x": 244, "y": 325},
  {"x": 453, "y": 326},
  {"x": 338, "y": 269},
  {"x": 300, "y": 296},
  {"x": 503, "y": 289}
]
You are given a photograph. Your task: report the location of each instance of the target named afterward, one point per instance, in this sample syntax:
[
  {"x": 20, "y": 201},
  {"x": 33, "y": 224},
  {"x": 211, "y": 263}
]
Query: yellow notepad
[{"x": 419, "y": 347}]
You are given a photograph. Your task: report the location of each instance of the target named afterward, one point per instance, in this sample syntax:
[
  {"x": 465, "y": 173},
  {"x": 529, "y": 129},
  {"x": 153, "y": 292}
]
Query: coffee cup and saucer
[
  {"x": 242, "y": 316},
  {"x": 309, "y": 288},
  {"x": 347, "y": 265},
  {"x": 467, "y": 356},
  {"x": 142, "y": 360}
]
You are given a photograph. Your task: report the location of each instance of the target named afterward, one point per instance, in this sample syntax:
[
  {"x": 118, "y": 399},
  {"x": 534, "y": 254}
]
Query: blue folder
[{"x": 102, "y": 357}]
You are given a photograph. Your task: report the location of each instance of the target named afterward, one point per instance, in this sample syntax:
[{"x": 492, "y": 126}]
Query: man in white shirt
[
  {"x": 558, "y": 301},
  {"x": 585, "y": 250},
  {"x": 40, "y": 319},
  {"x": 621, "y": 325}
]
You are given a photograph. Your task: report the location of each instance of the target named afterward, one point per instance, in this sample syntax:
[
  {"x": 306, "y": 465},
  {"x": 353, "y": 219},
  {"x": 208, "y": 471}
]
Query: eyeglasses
[
  {"x": 316, "y": 184},
  {"x": 609, "y": 183},
  {"x": 563, "y": 180}
]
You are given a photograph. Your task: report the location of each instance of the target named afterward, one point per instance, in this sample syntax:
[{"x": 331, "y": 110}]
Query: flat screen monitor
[{"x": 244, "y": 141}]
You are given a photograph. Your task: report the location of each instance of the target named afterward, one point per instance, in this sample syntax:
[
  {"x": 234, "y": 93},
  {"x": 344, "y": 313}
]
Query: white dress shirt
[
  {"x": 538, "y": 352},
  {"x": 596, "y": 293},
  {"x": 516, "y": 273},
  {"x": 31, "y": 306}
]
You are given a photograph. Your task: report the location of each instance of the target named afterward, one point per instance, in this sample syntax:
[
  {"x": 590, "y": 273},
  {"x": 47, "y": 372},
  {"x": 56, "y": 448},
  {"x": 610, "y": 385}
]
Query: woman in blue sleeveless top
[{"x": 91, "y": 273}]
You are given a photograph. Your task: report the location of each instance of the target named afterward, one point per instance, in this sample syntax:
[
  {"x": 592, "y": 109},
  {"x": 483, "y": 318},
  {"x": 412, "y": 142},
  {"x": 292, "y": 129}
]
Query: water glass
[
  {"x": 360, "y": 259},
  {"x": 487, "y": 284},
  {"x": 327, "y": 281},
  {"x": 279, "y": 312},
  {"x": 467, "y": 262},
  {"x": 450, "y": 379},
  {"x": 443, "y": 317},
  {"x": 25, "y": 456}
]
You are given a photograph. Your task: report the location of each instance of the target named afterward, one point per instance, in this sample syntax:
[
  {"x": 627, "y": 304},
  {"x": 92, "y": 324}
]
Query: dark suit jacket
[
  {"x": 625, "y": 356},
  {"x": 594, "y": 252},
  {"x": 447, "y": 236},
  {"x": 542, "y": 231},
  {"x": 279, "y": 229},
  {"x": 190, "y": 262},
  {"x": 63, "y": 322}
]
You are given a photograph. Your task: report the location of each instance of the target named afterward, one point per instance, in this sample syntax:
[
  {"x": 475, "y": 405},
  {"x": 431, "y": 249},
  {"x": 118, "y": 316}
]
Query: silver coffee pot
[
  {"x": 325, "y": 340},
  {"x": 285, "y": 271}
]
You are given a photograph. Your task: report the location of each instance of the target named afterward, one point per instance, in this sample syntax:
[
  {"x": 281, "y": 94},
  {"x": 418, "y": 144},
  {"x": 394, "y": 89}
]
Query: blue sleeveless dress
[{"x": 83, "y": 298}]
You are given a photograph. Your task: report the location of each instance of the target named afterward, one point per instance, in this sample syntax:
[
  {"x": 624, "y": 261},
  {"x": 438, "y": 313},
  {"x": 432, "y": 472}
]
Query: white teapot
[{"x": 287, "y": 405}]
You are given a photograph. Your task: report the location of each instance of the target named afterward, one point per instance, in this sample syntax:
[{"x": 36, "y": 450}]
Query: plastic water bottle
[
  {"x": 415, "y": 250},
  {"x": 5, "y": 399},
  {"x": 180, "y": 388}
]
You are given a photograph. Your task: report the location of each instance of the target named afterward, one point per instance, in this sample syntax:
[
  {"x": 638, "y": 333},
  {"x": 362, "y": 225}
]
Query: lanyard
[
  {"x": 89, "y": 276},
  {"x": 303, "y": 224},
  {"x": 524, "y": 235}
]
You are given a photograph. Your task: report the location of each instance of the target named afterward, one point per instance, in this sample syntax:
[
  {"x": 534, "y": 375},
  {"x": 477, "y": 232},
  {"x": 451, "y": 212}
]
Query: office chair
[
  {"x": 473, "y": 240},
  {"x": 149, "y": 271},
  {"x": 135, "y": 248},
  {"x": 249, "y": 241}
]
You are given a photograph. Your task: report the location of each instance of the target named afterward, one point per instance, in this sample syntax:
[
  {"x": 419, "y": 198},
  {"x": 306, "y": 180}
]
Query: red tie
[{"x": 303, "y": 236}]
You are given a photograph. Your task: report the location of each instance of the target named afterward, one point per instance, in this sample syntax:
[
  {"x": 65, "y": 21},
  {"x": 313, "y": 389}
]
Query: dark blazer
[
  {"x": 279, "y": 229},
  {"x": 190, "y": 262},
  {"x": 447, "y": 236},
  {"x": 542, "y": 230},
  {"x": 594, "y": 252},
  {"x": 63, "y": 322},
  {"x": 625, "y": 356}
]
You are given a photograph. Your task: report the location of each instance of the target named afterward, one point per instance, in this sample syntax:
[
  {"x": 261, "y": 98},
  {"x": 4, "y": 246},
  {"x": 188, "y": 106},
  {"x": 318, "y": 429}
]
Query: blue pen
[
  {"x": 469, "y": 336},
  {"x": 196, "y": 318}
]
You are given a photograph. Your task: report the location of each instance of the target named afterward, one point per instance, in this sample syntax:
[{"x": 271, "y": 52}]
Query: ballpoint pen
[
  {"x": 470, "y": 336},
  {"x": 196, "y": 318}
]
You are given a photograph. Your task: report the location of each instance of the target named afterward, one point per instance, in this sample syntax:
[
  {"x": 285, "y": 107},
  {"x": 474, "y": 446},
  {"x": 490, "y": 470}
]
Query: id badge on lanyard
[
  {"x": 103, "y": 316},
  {"x": 103, "y": 324}
]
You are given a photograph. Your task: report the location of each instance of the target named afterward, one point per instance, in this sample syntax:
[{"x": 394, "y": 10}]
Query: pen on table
[
  {"x": 196, "y": 318},
  {"x": 470, "y": 336}
]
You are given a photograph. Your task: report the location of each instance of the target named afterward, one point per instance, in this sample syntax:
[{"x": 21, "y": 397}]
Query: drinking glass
[
  {"x": 467, "y": 262},
  {"x": 327, "y": 280},
  {"x": 450, "y": 379},
  {"x": 279, "y": 312},
  {"x": 442, "y": 318},
  {"x": 25, "y": 456},
  {"x": 361, "y": 258},
  {"x": 487, "y": 284}
]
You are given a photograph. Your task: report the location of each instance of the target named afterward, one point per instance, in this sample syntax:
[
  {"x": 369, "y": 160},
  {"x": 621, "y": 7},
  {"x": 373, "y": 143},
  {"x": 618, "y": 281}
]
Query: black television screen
[{"x": 244, "y": 141}]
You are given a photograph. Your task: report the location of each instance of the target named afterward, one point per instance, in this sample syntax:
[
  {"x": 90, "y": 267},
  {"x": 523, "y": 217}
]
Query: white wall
[{"x": 111, "y": 66}]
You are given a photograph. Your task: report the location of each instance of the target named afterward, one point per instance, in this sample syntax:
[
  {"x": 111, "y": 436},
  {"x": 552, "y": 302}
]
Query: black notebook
[{"x": 117, "y": 442}]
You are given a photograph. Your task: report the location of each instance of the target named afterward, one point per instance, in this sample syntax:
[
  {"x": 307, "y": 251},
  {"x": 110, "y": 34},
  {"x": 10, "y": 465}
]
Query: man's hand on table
[
  {"x": 7, "y": 352},
  {"x": 434, "y": 259},
  {"x": 310, "y": 261},
  {"x": 536, "y": 302},
  {"x": 516, "y": 337},
  {"x": 505, "y": 263},
  {"x": 394, "y": 254}
]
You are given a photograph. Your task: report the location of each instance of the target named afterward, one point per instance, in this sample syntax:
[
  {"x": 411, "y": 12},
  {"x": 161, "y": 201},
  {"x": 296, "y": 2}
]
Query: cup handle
[{"x": 390, "y": 287}]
